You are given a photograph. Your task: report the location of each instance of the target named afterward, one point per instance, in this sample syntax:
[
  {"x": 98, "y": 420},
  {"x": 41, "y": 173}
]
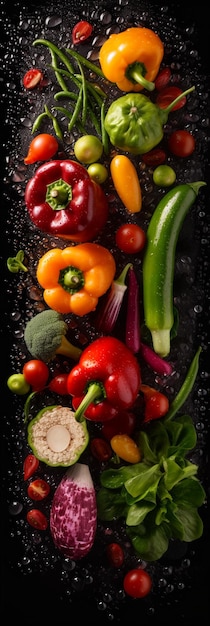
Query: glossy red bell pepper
[
  {"x": 63, "y": 201},
  {"x": 105, "y": 381}
]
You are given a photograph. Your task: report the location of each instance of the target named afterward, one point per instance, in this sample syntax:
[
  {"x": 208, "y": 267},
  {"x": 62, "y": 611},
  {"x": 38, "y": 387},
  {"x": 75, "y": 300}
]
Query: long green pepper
[
  {"x": 159, "y": 262},
  {"x": 186, "y": 387}
]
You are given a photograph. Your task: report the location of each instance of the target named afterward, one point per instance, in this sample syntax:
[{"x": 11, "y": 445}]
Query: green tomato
[
  {"x": 98, "y": 172},
  {"x": 88, "y": 149},
  {"x": 18, "y": 384},
  {"x": 164, "y": 176}
]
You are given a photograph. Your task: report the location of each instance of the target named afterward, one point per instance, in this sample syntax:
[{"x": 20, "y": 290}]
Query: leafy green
[{"x": 158, "y": 497}]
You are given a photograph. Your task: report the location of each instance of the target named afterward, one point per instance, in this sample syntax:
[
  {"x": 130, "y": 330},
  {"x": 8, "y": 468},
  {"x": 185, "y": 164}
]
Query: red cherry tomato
[
  {"x": 32, "y": 78},
  {"x": 123, "y": 424},
  {"x": 37, "y": 519},
  {"x": 156, "y": 403},
  {"x": 181, "y": 143},
  {"x": 81, "y": 31},
  {"x": 36, "y": 373},
  {"x": 163, "y": 78},
  {"x": 130, "y": 238},
  {"x": 41, "y": 148},
  {"x": 38, "y": 489},
  {"x": 137, "y": 583},
  {"x": 30, "y": 466},
  {"x": 58, "y": 384},
  {"x": 100, "y": 449},
  {"x": 154, "y": 157},
  {"x": 115, "y": 554},
  {"x": 167, "y": 95}
]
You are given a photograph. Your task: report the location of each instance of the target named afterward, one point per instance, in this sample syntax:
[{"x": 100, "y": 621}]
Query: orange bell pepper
[
  {"x": 132, "y": 58},
  {"x": 74, "y": 278}
]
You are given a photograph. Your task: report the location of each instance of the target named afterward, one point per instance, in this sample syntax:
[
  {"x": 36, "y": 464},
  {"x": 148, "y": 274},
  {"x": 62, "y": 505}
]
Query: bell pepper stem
[
  {"x": 182, "y": 95},
  {"x": 135, "y": 73},
  {"x": 95, "y": 392}
]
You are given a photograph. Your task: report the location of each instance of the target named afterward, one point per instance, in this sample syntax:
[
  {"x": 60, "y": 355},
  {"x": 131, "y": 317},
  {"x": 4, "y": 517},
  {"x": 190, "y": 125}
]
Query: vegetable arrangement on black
[{"x": 148, "y": 481}]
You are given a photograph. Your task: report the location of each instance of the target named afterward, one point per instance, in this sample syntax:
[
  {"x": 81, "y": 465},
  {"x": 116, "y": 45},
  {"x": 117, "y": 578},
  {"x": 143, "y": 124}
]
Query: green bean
[
  {"x": 91, "y": 66},
  {"x": 38, "y": 121},
  {"x": 58, "y": 75},
  {"x": 65, "y": 112},
  {"x": 57, "y": 51},
  {"x": 76, "y": 110},
  {"x": 186, "y": 387},
  {"x": 65, "y": 94},
  {"x": 94, "y": 120},
  {"x": 84, "y": 94}
]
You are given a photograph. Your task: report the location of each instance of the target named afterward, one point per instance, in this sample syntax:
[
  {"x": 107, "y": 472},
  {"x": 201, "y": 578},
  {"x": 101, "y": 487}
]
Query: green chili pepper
[
  {"x": 159, "y": 260},
  {"x": 186, "y": 387},
  {"x": 135, "y": 124}
]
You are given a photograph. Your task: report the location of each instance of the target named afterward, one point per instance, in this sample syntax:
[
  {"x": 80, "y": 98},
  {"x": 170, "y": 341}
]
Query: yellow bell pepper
[{"x": 74, "y": 278}]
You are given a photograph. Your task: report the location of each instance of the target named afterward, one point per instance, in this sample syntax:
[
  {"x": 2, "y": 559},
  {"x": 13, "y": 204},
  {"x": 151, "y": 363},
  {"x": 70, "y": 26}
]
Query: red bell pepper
[
  {"x": 62, "y": 200},
  {"x": 105, "y": 381}
]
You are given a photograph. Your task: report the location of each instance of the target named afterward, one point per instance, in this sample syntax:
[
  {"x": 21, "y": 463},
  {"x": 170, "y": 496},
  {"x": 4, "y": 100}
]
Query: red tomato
[
  {"x": 38, "y": 489},
  {"x": 36, "y": 373},
  {"x": 156, "y": 403},
  {"x": 30, "y": 465},
  {"x": 181, "y": 143},
  {"x": 154, "y": 157},
  {"x": 100, "y": 449},
  {"x": 123, "y": 424},
  {"x": 137, "y": 583},
  {"x": 37, "y": 519},
  {"x": 130, "y": 238},
  {"x": 115, "y": 554},
  {"x": 58, "y": 384},
  {"x": 81, "y": 31},
  {"x": 163, "y": 78},
  {"x": 41, "y": 148},
  {"x": 167, "y": 95},
  {"x": 32, "y": 78}
]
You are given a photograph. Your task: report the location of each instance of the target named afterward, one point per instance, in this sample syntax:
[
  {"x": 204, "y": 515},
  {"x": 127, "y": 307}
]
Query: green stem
[
  {"x": 95, "y": 392},
  {"x": 121, "y": 279},
  {"x": 182, "y": 95},
  {"x": 136, "y": 74},
  {"x": 186, "y": 388}
]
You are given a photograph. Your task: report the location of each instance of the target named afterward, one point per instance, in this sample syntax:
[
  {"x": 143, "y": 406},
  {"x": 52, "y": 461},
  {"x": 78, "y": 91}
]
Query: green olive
[
  {"x": 164, "y": 176},
  {"x": 88, "y": 149},
  {"x": 98, "y": 172},
  {"x": 18, "y": 384}
]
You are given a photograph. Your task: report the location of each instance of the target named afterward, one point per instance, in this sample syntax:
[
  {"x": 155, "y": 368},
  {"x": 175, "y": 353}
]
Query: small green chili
[{"x": 186, "y": 387}]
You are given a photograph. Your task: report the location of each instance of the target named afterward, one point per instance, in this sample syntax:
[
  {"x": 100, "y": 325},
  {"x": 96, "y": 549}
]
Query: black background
[{"x": 39, "y": 597}]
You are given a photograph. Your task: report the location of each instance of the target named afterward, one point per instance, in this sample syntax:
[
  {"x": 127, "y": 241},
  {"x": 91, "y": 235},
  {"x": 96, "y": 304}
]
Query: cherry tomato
[
  {"x": 126, "y": 448},
  {"x": 137, "y": 583},
  {"x": 41, "y": 148},
  {"x": 167, "y": 95},
  {"x": 18, "y": 384},
  {"x": 100, "y": 449},
  {"x": 38, "y": 489},
  {"x": 37, "y": 519},
  {"x": 98, "y": 172},
  {"x": 156, "y": 403},
  {"x": 130, "y": 238},
  {"x": 115, "y": 554},
  {"x": 181, "y": 143},
  {"x": 36, "y": 373},
  {"x": 58, "y": 384},
  {"x": 81, "y": 31},
  {"x": 88, "y": 149},
  {"x": 32, "y": 78},
  {"x": 154, "y": 157},
  {"x": 123, "y": 424},
  {"x": 163, "y": 78},
  {"x": 30, "y": 466},
  {"x": 164, "y": 176}
]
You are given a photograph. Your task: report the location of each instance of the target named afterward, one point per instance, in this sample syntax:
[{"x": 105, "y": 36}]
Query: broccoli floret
[{"x": 45, "y": 337}]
